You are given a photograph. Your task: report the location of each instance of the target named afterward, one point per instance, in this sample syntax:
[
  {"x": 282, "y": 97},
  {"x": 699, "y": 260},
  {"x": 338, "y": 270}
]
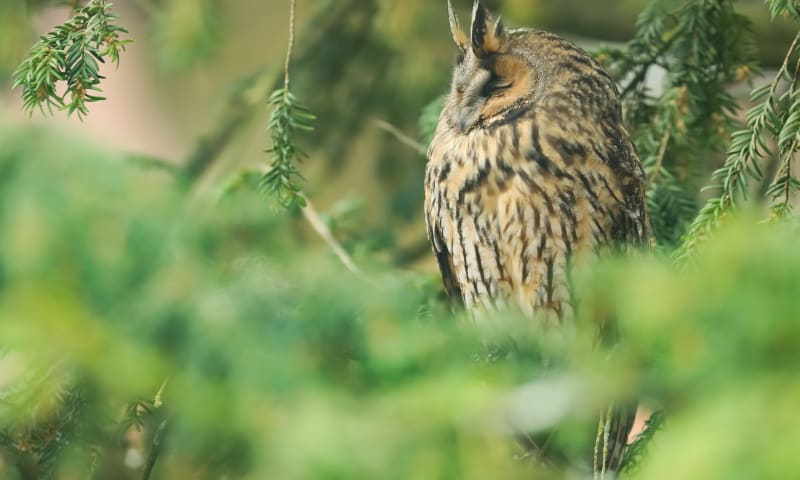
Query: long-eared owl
[{"x": 530, "y": 166}]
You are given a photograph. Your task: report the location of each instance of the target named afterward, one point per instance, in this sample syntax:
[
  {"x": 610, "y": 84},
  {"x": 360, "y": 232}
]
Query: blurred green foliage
[
  {"x": 111, "y": 279},
  {"x": 188, "y": 32},
  {"x": 146, "y": 325},
  {"x": 14, "y": 36},
  {"x": 280, "y": 364}
]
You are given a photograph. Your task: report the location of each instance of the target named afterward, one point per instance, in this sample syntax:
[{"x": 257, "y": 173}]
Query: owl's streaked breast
[{"x": 511, "y": 206}]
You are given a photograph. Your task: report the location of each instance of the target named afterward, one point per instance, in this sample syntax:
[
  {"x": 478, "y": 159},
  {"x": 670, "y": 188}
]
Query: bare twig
[
  {"x": 787, "y": 186},
  {"x": 325, "y": 233},
  {"x": 155, "y": 450},
  {"x": 334, "y": 20},
  {"x": 292, "y": 5},
  {"x": 401, "y": 137}
]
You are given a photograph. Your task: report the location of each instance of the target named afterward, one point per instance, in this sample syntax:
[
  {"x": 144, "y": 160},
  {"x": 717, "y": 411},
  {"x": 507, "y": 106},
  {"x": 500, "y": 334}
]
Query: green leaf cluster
[{"x": 71, "y": 53}]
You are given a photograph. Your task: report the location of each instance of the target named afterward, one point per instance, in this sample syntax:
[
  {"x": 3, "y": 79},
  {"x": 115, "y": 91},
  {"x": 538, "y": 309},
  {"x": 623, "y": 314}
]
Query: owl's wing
[
  {"x": 445, "y": 261},
  {"x": 443, "y": 258},
  {"x": 620, "y": 154},
  {"x": 435, "y": 235}
]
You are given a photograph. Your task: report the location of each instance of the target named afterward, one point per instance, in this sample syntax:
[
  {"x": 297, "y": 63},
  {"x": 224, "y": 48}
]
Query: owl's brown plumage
[{"x": 530, "y": 166}]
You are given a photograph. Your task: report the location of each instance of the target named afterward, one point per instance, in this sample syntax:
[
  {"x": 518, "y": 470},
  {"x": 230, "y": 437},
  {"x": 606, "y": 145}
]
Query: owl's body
[
  {"x": 530, "y": 168},
  {"x": 511, "y": 199}
]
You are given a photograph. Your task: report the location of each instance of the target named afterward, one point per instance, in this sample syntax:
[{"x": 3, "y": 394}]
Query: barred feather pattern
[{"x": 513, "y": 197}]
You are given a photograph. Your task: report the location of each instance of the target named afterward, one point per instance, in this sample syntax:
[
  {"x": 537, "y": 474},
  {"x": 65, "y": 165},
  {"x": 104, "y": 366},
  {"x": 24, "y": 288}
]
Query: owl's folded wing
[{"x": 445, "y": 261}]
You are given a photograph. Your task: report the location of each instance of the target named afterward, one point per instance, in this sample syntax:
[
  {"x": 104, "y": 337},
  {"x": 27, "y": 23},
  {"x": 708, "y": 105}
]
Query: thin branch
[
  {"x": 401, "y": 137},
  {"x": 155, "y": 450},
  {"x": 787, "y": 186},
  {"x": 785, "y": 67},
  {"x": 312, "y": 217},
  {"x": 784, "y": 174},
  {"x": 292, "y": 5},
  {"x": 248, "y": 96},
  {"x": 319, "y": 226}
]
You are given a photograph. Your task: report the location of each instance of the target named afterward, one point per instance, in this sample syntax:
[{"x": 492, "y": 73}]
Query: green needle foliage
[
  {"x": 774, "y": 120},
  {"x": 783, "y": 8},
  {"x": 702, "y": 46},
  {"x": 288, "y": 117},
  {"x": 69, "y": 54},
  {"x": 282, "y": 180}
]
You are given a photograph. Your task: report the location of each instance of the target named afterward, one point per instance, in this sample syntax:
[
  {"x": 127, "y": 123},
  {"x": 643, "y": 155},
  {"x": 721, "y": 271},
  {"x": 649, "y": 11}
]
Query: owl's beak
[{"x": 467, "y": 117}]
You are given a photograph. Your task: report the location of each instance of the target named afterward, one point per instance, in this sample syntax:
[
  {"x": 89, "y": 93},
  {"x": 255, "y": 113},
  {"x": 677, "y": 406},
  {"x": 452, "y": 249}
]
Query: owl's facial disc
[
  {"x": 486, "y": 90},
  {"x": 489, "y": 78}
]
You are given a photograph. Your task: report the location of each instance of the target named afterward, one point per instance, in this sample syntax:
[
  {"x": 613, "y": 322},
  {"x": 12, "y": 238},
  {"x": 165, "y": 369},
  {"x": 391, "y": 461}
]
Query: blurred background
[{"x": 146, "y": 336}]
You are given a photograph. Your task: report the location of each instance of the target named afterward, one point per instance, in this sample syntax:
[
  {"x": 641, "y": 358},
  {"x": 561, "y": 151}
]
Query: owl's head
[{"x": 494, "y": 74}]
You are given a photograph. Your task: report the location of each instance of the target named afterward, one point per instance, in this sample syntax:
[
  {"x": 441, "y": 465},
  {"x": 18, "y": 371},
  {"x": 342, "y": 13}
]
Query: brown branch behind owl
[{"x": 530, "y": 168}]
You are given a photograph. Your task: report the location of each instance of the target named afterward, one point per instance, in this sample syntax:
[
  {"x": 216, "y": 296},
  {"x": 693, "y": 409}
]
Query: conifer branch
[
  {"x": 69, "y": 54},
  {"x": 703, "y": 46},
  {"x": 247, "y": 97},
  {"x": 288, "y": 117},
  {"x": 783, "y": 8},
  {"x": 290, "y": 48},
  {"x": 749, "y": 148},
  {"x": 319, "y": 226},
  {"x": 247, "y": 179}
]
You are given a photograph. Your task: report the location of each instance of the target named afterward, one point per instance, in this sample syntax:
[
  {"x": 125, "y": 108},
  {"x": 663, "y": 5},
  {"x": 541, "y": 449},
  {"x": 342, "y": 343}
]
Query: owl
[{"x": 530, "y": 168}]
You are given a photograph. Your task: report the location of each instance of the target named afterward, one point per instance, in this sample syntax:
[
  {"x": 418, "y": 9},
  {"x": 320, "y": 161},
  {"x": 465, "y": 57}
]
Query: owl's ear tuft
[
  {"x": 455, "y": 28},
  {"x": 487, "y": 38}
]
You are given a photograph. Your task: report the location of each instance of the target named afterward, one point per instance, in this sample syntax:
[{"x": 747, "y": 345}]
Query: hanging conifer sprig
[
  {"x": 282, "y": 180},
  {"x": 69, "y": 54},
  {"x": 776, "y": 115},
  {"x": 701, "y": 46}
]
